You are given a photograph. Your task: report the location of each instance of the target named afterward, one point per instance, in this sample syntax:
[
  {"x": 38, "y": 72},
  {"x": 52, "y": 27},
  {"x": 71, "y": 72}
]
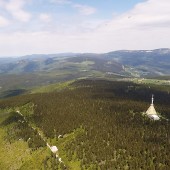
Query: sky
[{"x": 59, "y": 26}]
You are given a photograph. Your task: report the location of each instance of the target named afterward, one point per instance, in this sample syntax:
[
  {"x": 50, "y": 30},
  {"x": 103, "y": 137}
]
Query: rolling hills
[
  {"x": 19, "y": 75},
  {"x": 144, "y": 62}
]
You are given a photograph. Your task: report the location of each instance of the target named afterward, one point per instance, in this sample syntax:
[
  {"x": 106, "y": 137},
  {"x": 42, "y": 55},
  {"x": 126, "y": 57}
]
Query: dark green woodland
[{"x": 106, "y": 120}]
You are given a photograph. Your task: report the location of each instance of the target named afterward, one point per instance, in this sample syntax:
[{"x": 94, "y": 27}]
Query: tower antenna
[{"x": 152, "y": 99}]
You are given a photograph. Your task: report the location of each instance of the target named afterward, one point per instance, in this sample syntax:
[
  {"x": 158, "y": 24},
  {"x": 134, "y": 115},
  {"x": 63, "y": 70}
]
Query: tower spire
[{"x": 152, "y": 99}]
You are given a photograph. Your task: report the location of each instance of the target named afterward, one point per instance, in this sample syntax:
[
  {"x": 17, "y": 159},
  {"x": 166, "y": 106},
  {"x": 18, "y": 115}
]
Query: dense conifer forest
[{"x": 106, "y": 120}]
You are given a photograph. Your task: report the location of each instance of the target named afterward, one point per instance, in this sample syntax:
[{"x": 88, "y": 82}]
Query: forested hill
[
  {"x": 102, "y": 125},
  {"x": 127, "y": 62}
]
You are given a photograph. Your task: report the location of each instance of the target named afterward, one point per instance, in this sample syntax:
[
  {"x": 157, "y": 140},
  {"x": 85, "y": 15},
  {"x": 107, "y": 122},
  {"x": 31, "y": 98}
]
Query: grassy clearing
[
  {"x": 160, "y": 85},
  {"x": 11, "y": 153},
  {"x": 152, "y": 81},
  {"x": 87, "y": 62},
  {"x": 52, "y": 87},
  {"x": 26, "y": 110},
  {"x": 35, "y": 159},
  {"x": 62, "y": 142},
  {"x": 16, "y": 154}
]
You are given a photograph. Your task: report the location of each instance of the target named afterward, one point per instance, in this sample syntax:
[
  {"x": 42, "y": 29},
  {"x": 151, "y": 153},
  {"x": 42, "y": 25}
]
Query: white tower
[{"x": 151, "y": 112}]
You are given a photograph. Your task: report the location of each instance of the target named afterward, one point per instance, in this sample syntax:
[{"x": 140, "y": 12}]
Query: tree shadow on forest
[
  {"x": 12, "y": 93},
  {"x": 125, "y": 91},
  {"x": 14, "y": 117}
]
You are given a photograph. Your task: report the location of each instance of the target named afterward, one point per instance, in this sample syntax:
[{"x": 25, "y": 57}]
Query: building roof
[
  {"x": 151, "y": 110},
  {"x": 54, "y": 149}
]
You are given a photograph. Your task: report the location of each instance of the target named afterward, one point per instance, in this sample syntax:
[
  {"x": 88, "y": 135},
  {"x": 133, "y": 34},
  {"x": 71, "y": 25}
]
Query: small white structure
[
  {"x": 60, "y": 160},
  {"x": 151, "y": 112},
  {"x": 54, "y": 149},
  {"x": 60, "y": 136}
]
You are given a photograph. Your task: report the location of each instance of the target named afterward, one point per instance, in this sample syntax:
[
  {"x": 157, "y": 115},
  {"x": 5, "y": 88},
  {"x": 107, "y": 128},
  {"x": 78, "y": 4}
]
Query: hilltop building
[
  {"x": 151, "y": 112},
  {"x": 53, "y": 149}
]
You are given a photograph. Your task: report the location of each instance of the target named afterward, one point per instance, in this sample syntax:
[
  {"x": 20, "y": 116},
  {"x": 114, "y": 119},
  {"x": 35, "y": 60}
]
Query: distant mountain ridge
[{"x": 133, "y": 63}]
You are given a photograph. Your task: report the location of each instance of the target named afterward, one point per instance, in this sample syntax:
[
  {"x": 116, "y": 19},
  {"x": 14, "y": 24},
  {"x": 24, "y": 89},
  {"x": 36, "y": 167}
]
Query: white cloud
[
  {"x": 152, "y": 13},
  {"x": 2, "y": 2},
  {"x": 45, "y": 17},
  {"x": 3, "y": 22},
  {"x": 84, "y": 9},
  {"x": 61, "y": 1},
  {"x": 15, "y": 8},
  {"x": 146, "y": 26}
]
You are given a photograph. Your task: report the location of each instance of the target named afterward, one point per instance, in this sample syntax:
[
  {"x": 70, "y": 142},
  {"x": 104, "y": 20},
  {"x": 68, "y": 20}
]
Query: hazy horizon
[{"x": 57, "y": 53}]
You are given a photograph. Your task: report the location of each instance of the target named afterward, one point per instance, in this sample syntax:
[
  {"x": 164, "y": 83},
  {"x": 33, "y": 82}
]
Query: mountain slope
[
  {"x": 101, "y": 125},
  {"x": 147, "y": 62},
  {"x": 17, "y": 75},
  {"x": 143, "y": 62}
]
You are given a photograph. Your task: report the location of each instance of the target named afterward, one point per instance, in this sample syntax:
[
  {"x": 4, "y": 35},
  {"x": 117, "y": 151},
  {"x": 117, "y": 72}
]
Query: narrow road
[{"x": 53, "y": 149}]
